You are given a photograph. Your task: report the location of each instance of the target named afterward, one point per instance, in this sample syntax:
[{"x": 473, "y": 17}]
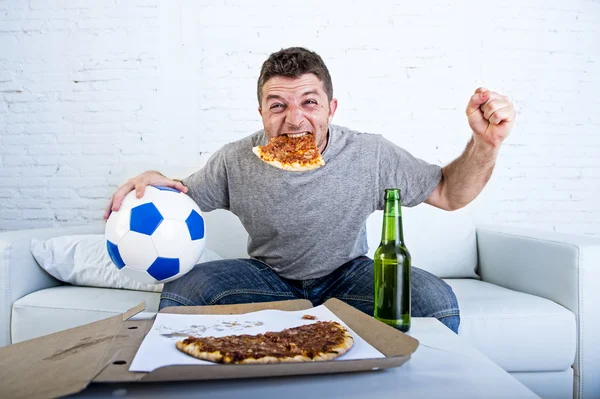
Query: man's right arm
[{"x": 139, "y": 184}]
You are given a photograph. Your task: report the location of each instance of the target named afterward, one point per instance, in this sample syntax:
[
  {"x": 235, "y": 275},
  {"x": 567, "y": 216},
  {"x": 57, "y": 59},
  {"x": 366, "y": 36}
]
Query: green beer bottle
[{"x": 392, "y": 268}]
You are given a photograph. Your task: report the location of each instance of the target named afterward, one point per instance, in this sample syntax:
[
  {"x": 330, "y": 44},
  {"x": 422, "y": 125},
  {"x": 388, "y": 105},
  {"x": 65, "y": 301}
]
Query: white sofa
[{"x": 534, "y": 311}]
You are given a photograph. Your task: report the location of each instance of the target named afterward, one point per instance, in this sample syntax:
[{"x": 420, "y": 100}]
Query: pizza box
[{"x": 66, "y": 362}]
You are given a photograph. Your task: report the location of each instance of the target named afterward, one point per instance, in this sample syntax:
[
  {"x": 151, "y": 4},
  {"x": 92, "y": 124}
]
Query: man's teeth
[{"x": 297, "y": 134}]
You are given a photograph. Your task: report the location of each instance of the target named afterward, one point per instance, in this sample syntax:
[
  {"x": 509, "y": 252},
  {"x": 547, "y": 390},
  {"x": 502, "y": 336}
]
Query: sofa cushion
[
  {"x": 83, "y": 260},
  {"x": 59, "y": 308},
  {"x": 520, "y": 332}
]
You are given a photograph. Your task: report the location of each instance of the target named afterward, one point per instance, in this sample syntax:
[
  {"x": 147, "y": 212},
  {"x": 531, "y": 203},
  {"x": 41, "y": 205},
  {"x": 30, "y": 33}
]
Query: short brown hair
[{"x": 294, "y": 62}]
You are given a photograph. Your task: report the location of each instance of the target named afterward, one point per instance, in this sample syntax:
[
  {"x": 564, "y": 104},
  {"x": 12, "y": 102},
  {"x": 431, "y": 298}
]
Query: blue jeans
[{"x": 233, "y": 281}]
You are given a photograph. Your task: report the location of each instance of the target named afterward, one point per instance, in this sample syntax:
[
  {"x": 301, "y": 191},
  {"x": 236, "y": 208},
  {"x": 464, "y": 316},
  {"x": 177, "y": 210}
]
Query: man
[{"x": 306, "y": 230}]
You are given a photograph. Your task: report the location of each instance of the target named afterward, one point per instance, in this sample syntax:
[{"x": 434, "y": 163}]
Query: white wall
[{"x": 90, "y": 89}]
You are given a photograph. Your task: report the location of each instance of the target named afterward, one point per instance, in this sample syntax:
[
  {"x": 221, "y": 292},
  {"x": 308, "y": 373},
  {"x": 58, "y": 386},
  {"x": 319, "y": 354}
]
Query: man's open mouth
[{"x": 296, "y": 135}]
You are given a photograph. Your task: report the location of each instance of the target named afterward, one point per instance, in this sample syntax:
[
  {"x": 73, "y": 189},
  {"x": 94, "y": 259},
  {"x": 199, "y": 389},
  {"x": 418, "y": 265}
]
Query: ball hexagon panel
[
  {"x": 174, "y": 205},
  {"x": 195, "y": 224},
  {"x": 117, "y": 225},
  {"x": 171, "y": 238},
  {"x": 145, "y": 219},
  {"x": 192, "y": 254},
  {"x": 138, "y": 275},
  {"x": 164, "y": 268},
  {"x": 170, "y": 206},
  {"x": 137, "y": 250},
  {"x": 131, "y": 200}
]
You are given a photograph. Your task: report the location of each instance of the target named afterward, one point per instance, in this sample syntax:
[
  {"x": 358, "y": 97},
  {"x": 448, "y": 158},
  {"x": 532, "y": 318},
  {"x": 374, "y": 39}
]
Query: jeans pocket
[{"x": 256, "y": 264}]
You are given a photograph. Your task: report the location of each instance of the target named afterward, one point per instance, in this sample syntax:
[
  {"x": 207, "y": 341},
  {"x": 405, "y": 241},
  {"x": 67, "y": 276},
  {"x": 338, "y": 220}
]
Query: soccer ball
[{"x": 157, "y": 238}]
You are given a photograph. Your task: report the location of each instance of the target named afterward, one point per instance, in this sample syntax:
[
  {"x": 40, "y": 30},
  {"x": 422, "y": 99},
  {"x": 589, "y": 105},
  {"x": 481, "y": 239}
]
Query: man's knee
[
  {"x": 433, "y": 297},
  {"x": 444, "y": 301},
  {"x": 197, "y": 287},
  {"x": 166, "y": 301},
  {"x": 225, "y": 282},
  {"x": 451, "y": 321}
]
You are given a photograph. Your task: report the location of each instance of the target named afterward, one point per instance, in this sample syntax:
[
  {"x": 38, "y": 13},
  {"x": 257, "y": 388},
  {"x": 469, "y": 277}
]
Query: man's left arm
[{"x": 491, "y": 117}]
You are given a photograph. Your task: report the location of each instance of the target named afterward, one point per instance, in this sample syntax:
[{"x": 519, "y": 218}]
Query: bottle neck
[{"x": 392, "y": 222}]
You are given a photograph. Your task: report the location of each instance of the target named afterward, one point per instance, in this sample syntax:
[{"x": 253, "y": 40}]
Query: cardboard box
[{"x": 66, "y": 362}]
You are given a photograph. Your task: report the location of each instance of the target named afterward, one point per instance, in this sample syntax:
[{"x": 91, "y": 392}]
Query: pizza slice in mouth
[{"x": 296, "y": 153}]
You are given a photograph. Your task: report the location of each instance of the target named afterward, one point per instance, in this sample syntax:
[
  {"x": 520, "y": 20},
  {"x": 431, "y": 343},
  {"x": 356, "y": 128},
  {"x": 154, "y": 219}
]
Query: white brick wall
[{"x": 90, "y": 89}]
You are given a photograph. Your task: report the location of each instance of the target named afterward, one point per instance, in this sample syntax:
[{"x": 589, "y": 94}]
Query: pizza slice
[
  {"x": 324, "y": 340},
  {"x": 296, "y": 153}
]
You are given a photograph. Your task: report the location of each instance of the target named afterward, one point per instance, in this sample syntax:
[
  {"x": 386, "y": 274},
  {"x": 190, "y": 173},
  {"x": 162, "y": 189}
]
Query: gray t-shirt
[{"x": 307, "y": 224}]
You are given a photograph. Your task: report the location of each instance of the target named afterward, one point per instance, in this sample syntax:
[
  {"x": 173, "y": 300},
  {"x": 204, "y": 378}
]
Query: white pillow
[
  {"x": 440, "y": 242},
  {"x": 83, "y": 260}
]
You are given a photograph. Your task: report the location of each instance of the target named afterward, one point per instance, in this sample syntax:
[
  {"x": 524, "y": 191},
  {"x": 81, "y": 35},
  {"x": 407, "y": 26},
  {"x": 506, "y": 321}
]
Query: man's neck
[{"x": 324, "y": 145}]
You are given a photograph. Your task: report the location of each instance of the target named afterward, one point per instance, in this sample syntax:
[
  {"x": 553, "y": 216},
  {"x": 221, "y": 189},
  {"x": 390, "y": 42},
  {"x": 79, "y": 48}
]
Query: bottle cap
[{"x": 392, "y": 193}]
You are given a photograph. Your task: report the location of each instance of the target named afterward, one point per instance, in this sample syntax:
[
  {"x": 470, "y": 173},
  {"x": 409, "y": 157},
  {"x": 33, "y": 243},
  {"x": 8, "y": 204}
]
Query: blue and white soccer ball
[{"x": 156, "y": 238}]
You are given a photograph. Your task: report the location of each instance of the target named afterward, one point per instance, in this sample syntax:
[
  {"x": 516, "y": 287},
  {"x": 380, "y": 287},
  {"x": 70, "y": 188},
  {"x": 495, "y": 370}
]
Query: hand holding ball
[{"x": 156, "y": 238}]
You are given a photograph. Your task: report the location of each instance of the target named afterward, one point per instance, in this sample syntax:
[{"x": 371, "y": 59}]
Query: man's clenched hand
[
  {"x": 139, "y": 184},
  {"x": 491, "y": 117}
]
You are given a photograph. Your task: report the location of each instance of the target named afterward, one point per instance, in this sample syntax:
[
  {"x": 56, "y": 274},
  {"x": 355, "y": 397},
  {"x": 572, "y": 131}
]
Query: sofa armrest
[
  {"x": 19, "y": 272},
  {"x": 563, "y": 268}
]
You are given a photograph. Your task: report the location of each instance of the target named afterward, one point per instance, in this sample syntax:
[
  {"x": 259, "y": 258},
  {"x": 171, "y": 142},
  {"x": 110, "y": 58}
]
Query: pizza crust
[
  {"x": 293, "y": 167},
  {"x": 193, "y": 349}
]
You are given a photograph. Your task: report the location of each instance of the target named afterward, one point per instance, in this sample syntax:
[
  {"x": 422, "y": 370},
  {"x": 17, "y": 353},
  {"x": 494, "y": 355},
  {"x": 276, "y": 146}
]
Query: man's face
[{"x": 295, "y": 106}]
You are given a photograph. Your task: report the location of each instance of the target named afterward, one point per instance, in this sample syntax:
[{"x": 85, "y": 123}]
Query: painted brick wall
[{"x": 91, "y": 91}]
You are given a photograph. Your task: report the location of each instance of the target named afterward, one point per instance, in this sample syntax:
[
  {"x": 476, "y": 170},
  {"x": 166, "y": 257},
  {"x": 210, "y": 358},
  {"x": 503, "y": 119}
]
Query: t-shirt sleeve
[
  {"x": 415, "y": 178},
  {"x": 208, "y": 187}
]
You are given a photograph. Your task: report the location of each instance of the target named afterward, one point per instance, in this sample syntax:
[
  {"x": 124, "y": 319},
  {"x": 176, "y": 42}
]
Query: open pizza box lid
[{"x": 66, "y": 362}]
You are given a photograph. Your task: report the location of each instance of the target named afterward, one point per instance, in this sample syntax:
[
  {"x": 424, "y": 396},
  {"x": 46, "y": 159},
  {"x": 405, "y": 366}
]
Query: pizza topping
[
  {"x": 309, "y": 340},
  {"x": 292, "y": 149},
  {"x": 309, "y": 317},
  {"x": 296, "y": 152}
]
